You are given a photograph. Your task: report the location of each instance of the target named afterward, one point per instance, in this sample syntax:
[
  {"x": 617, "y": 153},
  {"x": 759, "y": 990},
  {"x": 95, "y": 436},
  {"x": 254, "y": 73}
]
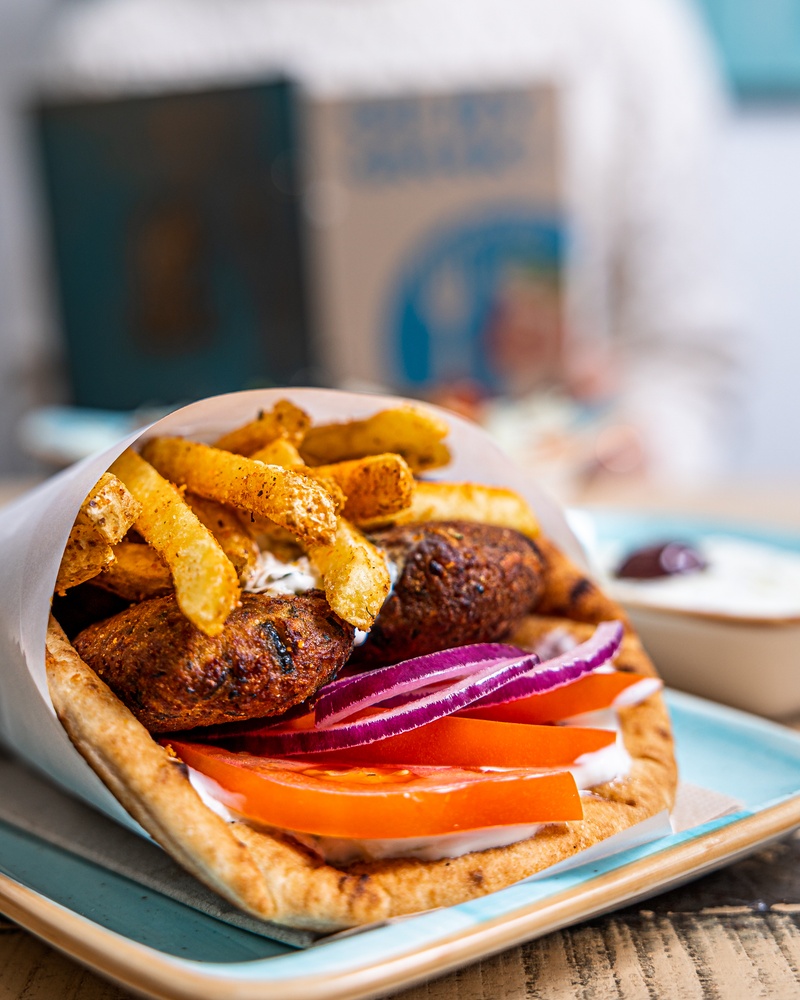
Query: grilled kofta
[
  {"x": 458, "y": 582},
  {"x": 273, "y": 653}
]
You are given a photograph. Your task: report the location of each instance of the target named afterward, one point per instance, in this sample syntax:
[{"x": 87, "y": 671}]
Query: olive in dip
[{"x": 662, "y": 559}]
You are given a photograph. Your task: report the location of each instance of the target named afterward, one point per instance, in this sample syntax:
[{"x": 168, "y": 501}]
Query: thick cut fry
[
  {"x": 206, "y": 584},
  {"x": 137, "y": 573},
  {"x": 375, "y": 486},
  {"x": 294, "y": 501},
  {"x": 110, "y": 508},
  {"x": 86, "y": 554},
  {"x": 465, "y": 502},
  {"x": 281, "y": 451},
  {"x": 415, "y": 434},
  {"x": 105, "y": 516},
  {"x": 355, "y": 575},
  {"x": 226, "y": 526},
  {"x": 284, "y": 420}
]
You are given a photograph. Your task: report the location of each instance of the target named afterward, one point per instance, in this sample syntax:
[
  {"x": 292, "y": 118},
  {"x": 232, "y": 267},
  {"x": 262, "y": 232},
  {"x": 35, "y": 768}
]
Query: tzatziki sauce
[{"x": 741, "y": 578}]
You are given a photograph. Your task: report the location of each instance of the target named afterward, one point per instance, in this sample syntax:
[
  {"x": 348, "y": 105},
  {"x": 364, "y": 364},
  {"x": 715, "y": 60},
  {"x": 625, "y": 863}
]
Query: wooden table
[{"x": 735, "y": 933}]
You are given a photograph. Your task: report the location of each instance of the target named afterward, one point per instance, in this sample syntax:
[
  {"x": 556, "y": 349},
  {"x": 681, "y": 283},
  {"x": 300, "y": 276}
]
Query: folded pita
[{"x": 273, "y": 877}]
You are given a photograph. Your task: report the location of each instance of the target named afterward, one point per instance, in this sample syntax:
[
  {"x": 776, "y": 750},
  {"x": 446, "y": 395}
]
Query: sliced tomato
[
  {"x": 462, "y": 742},
  {"x": 587, "y": 694},
  {"x": 378, "y": 802}
]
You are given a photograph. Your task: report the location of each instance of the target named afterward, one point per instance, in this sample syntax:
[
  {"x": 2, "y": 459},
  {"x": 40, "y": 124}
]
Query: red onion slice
[
  {"x": 488, "y": 682},
  {"x": 341, "y": 698},
  {"x": 569, "y": 666},
  {"x": 393, "y": 721}
]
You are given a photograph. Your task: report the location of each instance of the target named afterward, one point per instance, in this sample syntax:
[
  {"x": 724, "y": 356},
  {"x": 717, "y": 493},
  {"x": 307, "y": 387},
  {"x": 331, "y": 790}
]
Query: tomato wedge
[
  {"x": 461, "y": 742},
  {"x": 361, "y": 802},
  {"x": 587, "y": 694}
]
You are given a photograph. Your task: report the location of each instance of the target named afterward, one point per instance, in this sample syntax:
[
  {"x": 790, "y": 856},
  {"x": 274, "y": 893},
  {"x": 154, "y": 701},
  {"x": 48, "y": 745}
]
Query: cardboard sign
[{"x": 437, "y": 238}]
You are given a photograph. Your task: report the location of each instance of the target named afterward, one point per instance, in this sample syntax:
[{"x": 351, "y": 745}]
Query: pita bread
[{"x": 274, "y": 878}]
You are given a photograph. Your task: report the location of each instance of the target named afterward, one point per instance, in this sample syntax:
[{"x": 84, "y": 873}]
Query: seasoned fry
[
  {"x": 105, "y": 516},
  {"x": 465, "y": 502},
  {"x": 375, "y": 486},
  {"x": 226, "y": 526},
  {"x": 281, "y": 451},
  {"x": 137, "y": 573},
  {"x": 291, "y": 500},
  {"x": 206, "y": 584},
  {"x": 355, "y": 575},
  {"x": 363, "y": 488},
  {"x": 284, "y": 420},
  {"x": 412, "y": 432},
  {"x": 86, "y": 554},
  {"x": 110, "y": 508}
]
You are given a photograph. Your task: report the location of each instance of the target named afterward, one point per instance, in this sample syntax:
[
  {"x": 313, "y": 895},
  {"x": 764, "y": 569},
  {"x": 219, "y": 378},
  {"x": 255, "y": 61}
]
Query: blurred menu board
[
  {"x": 437, "y": 239},
  {"x": 176, "y": 243}
]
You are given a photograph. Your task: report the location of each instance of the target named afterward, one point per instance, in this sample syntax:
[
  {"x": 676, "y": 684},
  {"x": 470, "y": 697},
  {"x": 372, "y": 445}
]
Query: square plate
[{"x": 149, "y": 943}]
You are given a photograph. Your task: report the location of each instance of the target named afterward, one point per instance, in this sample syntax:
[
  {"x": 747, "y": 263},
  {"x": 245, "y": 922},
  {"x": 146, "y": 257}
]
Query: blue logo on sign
[{"x": 446, "y": 301}]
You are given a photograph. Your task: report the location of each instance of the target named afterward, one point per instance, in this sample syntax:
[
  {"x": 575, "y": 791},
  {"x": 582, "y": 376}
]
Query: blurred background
[{"x": 580, "y": 226}]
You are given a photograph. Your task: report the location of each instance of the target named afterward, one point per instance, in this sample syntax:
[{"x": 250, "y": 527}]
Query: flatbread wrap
[{"x": 144, "y": 664}]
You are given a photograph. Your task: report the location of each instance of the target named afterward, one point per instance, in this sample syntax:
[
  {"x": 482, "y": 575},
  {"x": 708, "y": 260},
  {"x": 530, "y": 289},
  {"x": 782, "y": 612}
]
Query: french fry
[
  {"x": 206, "y": 584},
  {"x": 137, "y": 573},
  {"x": 374, "y": 486},
  {"x": 104, "y": 518},
  {"x": 412, "y": 432},
  {"x": 110, "y": 508},
  {"x": 284, "y": 420},
  {"x": 281, "y": 451},
  {"x": 464, "y": 502},
  {"x": 355, "y": 575},
  {"x": 294, "y": 501},
  {"x": 226, "y": 526},
  {"x": 85, "y": 556}
]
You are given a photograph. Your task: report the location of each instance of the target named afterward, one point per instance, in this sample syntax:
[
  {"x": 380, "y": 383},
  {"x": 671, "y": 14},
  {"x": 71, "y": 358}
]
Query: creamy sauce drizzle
[
  {"x": 274, "y": 576},
  {"x": 279, "y": 578}
]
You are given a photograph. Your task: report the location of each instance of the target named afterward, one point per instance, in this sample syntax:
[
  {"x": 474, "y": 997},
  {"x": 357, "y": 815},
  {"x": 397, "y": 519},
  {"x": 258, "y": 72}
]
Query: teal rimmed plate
[{"x": 157, "y": 946}]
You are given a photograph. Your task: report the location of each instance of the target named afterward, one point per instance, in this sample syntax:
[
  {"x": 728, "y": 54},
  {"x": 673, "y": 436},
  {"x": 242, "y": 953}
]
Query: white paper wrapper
[{"x": 34, "y": 530}]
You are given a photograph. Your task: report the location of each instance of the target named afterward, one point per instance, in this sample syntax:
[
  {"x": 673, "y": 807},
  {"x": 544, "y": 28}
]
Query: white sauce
[
  {"x": 214, "y": 795},
  {"x": 638, "y": 692},
  {"x": 341, "y": 851},
  {"x": 274, "y": 576},
  {"x": 279, "y": 578},
  {"x": 743, "y": 578}
]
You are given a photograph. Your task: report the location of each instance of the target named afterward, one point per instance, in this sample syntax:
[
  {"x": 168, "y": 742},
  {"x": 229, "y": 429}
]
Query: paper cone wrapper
[{"x": 34, "y": 530}]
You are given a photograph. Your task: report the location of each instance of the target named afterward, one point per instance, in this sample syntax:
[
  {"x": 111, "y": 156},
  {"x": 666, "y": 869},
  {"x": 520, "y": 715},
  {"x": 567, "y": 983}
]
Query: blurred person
[{"x": 638, "y": 370}]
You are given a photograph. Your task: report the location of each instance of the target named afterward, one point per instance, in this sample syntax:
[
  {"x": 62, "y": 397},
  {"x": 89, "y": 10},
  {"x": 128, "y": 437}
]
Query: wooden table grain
[{"x": 729, "y": 935}]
